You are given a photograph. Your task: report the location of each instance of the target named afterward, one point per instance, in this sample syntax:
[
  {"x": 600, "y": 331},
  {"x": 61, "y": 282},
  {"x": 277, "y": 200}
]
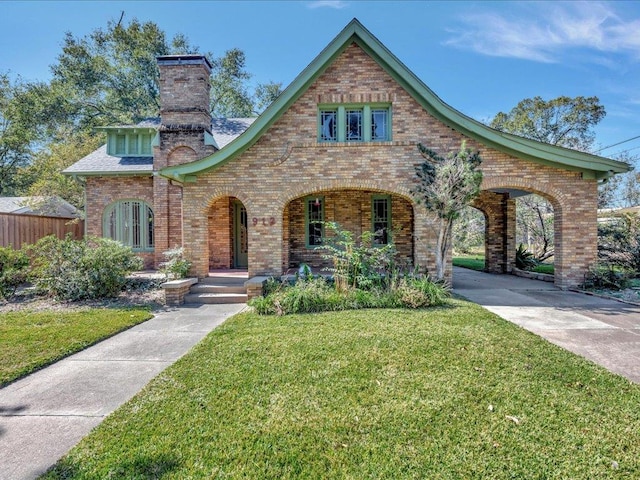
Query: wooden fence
[{"x": 18, "y": 229}]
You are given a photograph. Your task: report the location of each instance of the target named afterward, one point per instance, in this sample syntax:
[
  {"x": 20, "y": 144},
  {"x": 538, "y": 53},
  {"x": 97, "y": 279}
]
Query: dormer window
[
  {"x": 354, "y": 123},
  {"x": 130, "y": 141}
]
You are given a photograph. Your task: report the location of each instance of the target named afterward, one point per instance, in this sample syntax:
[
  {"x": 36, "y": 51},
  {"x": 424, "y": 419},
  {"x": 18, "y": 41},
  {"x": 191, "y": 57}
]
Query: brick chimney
[{"x": 184, "y": 109}]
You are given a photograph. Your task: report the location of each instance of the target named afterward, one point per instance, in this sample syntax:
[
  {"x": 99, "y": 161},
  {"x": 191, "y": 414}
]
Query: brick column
[
  {"x": 576, "y": 236},
  {"x": 499, "y": 237}
]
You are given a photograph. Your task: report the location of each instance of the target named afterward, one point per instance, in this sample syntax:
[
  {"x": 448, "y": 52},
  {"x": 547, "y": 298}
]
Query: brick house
[{"x": 339, "y": 144}]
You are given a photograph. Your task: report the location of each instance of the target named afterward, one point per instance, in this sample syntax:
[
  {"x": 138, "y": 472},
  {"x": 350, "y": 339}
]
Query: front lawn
[
  {"x": 473, "y": 262},
  {"x": 32, "y": 340},
  {"x": 444, "y": 393}
]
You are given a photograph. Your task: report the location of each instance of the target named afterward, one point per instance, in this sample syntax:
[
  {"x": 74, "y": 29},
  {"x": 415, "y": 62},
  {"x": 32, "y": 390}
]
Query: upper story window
[
  {"x": 329, "y": 125},
  {"x": 131, "y": 223},
  {"x": 357, "y": 123},
  {"x": 124, "y": 144}
]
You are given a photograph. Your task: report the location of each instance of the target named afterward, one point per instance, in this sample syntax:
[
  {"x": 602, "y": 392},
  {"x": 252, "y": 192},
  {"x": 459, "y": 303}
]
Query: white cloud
[
  {"x": 545, "y": 31},
  {"x": 336, "y": 4}
]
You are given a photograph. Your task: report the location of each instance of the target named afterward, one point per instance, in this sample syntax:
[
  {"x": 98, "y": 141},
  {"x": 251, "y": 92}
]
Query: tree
[
  {"x": 46, "y": 175},
  {"x": 534, "y": 226},
  {"x": 446, "y": 185},
  {"x": 563, "y": 121},
  {"x": 107, "y": 77},
  {"x": 265, "y": 94},
  {"x": 16, "y": 136}
]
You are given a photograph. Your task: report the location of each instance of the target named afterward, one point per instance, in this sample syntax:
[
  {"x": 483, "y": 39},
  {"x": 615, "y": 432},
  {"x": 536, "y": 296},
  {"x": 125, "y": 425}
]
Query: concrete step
[
  {"x": 215, "y": 298},
  {"x": 221, "y": 289},
  {"x": 223, "y": 281}
]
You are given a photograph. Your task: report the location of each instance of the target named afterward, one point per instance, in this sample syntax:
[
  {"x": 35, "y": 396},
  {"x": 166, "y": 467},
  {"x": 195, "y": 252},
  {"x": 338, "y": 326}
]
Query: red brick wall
[{"x": 103, "y": 191}]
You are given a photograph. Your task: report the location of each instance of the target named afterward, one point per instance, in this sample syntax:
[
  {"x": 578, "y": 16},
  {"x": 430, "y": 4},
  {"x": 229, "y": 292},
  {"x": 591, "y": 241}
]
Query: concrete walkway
[
  {"x": 45, "y": 414},
  {"x": 605, "y": 331}
]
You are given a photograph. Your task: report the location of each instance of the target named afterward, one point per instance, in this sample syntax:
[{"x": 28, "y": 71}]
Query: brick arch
[
  {"x": 350, "y": 184},
  {"x": 556, "y": 196},
  {"x": 222, "y": 192},
  {"x": 181, "y": 154}
]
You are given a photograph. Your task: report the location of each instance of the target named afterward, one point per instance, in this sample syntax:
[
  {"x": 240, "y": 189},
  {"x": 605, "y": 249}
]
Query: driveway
[{"x": 604, "y": 331}]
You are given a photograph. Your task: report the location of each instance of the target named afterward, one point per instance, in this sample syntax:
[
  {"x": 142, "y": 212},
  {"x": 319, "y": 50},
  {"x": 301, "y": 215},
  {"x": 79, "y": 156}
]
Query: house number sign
[{"x": 265, "y": 221}]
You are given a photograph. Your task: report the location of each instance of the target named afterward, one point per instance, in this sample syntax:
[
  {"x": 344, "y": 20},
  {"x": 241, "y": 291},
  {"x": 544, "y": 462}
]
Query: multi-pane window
[
  {"x": 131, "y": 223},
  {"x": 379, "y": 124},
  {"x": 381, "y": 219},
  {"x": 129, "y": 144},
  {"x": 314, "y": 219},
  {"x": 329, "y": 125},
  {"x": 357, "y": 123},
  {"x": 353, "y": 125}
]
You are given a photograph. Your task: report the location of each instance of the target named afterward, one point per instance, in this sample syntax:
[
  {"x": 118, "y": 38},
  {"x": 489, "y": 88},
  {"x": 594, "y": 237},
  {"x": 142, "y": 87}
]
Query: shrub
[
  {"x": 525, "y": 260},
  {"x": 607, "y": 276},
  {"x": 176, "y": 265},
  {"x": 360, "y": 264},
  {"x": 81, "y": 269},
  {"x": 419, "y": 293},
  {"x": 13, "y": 271},
  {"x": 318, "y": 295},
  {"x": 619, "y": 242}
]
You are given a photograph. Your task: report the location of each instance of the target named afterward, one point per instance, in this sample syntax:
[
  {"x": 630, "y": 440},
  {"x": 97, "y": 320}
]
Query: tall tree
[
  {"x": 446, "y": 185},
  {"x": 107, "y": 77},
  {"x": 16, "y": 135},
  {"x": 564, "y": 121}
]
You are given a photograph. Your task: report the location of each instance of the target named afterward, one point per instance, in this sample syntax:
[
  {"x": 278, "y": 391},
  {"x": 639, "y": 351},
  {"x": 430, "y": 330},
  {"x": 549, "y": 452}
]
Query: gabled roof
[
  {"x": 591, "y": 166},
  {"x": 44, "y": 206},
  {"x": 98, "y": 162}
]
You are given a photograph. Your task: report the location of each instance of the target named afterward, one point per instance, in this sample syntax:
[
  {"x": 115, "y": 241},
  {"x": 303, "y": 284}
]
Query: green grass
[
  {"x": 544, "y": 268},
  {"x": 32, "y": 340},
  {"x": 445, "y": 393},
  {"x": 473, "y": 262}
]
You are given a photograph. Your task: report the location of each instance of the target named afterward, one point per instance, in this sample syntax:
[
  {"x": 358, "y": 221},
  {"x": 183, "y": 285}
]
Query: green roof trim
[{"x": 591, "y": 166}]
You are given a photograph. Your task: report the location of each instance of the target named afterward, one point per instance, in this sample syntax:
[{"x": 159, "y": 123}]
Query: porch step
[
  {"x": 223, "y": 287},
  {"x": 219, "y": 289},
  {"x": 215, "y": 298}
]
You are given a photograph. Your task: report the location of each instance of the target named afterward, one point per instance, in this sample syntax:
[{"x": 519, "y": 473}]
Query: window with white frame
[
  {"x": 354, "y": 123},
  {"x": 131, "y": 223}
]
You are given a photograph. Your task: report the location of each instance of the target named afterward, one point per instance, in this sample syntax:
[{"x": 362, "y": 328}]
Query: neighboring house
[
  {"x": 339, "y": 144},
  {"x": 42, "y": 206},
  {"x": 610, "y": 215}
]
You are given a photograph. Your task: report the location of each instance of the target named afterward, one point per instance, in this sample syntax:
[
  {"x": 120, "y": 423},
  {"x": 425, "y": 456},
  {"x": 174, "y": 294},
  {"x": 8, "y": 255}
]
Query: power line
[
  {"x": 616, "y": 144},
  {"x": 625, "y": 151}
]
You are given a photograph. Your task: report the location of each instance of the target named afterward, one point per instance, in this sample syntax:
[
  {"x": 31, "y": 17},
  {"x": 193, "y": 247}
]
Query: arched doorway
[{"x": 228, "y": 234}]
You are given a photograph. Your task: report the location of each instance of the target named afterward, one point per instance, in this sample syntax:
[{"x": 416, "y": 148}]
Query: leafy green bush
[
  {"x": 176, "y": 265},
  {"x": 619, "y": 242},
  {"x": 525, "y": 260},
  {"x": 81, "y": 269},
  {"x": 360, "y": 264},
  {"x": 320, "y": 295},
  {"x": 364, "y": 276},
  {"x": 607, "y": 276},
  {"x": 13, "y": 271}
]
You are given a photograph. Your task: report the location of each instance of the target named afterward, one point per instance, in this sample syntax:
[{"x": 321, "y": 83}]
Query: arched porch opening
[
  {"x": 469, "y": 232},
  {"x": 228, "y": 234},
  {"x": 388, "y": 215},
  {"x": 512, "y": 215}
]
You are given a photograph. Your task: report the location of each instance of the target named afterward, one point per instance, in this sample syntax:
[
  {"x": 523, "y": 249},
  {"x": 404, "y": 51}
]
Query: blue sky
[{"x": 479, "y": 57}]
